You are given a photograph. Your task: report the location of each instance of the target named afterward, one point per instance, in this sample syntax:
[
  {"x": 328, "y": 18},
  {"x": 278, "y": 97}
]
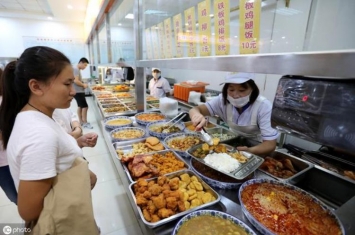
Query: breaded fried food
[
  {"x": 205, "y": 147},
  {"x": 200, "y": 194},
  {"x": 166, "y": 186},
  {"x": 150, "y": 183},
  {"x": 152, "y": 140},
  {"x": 185, "y": 177},
  {"x": 147, "y": 194},
  {"x": 159, "y": 201},
  {"x": 155, "y": 189},
  {"x": 142, "y": 183},
  {"x": 142, "y": 189},
  {"x": 191, "y": 186},
  {"x": 146, "y": 215},
  {"x": 195, "y": 202},
  {"x": 181, "y": 206},
  {"x": 171, "y": 203},
  {"x": 161, "y": 180},
  {"x": 194, "y": 178},
  {"x": 165, "y": 213},
  {"x": 191, "y": 192},
  {"x": 155, "y": 218},
  {"x": 157, "y": 147},
  {"x": 215, "y": 141},
  {"x": 182, "y": 185},
  {"x": 198, "y": 186},
  {"x": 187, "y": 205},
  {"x": 151, "y": 207},
  {"x": 186, "y": 196},
  {"x": 207, "y": 197},
  {"x": 141, "y": 201},
  {"x": 174, "y": 183}
]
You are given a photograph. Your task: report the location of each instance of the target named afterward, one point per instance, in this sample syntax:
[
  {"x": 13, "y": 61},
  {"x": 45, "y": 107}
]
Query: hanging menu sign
[
  {"x": 167, "y": 30},
  {"x": 154, "y": 36},
  {"x": 161, "y": 39},
  {"x": 221, "y": 26},
  {"x": 249, "y": 29},
  {"x": 191, "y": 31},
  {"x": 204, "y": 23},
  {"x": 177, "y": 20},
  {"x": 148, "y": 44}
]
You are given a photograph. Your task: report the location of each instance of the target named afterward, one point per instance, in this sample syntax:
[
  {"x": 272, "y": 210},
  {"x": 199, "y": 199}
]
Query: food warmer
[{"x": 329, "y": 101}]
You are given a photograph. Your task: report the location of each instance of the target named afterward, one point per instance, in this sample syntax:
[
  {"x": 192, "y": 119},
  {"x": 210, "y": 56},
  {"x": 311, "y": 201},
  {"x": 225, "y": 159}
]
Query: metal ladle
[{"x": 166, "y": 130}]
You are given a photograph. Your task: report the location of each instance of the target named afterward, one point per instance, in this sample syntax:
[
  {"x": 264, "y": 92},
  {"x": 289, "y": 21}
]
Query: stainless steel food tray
[
  {"x": 242, "y": 171},
  {"x": 300, "y": 165},
  {"x": 206, "y": 187},
  {"x": 222, "y": 131},
  {"x": 127, "y": 146},
  {"x": 179, "y": 136},
  {"x": 187, "y": 166}
]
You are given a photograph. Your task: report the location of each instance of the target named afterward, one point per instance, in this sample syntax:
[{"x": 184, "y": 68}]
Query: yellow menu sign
[
  {"x": 177, "y": 21},
  {"x": 148, "y": 44},
  {"x": 167, "y": 30},
  {"x": 154, "y": 37},
  {"x": 221, "y": 27},
  {"x": 161, "y": 39},
  {"x": 249, "y": 29},
  {"x": 190, "y": 23},
  {"x": 204, "y": 23}
]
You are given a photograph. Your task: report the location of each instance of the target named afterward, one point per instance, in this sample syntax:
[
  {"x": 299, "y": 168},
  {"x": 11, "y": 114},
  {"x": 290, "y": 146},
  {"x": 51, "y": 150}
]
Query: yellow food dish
[
  {"x": 119, "y": 122},
  {"x": 128, "y": 134}
]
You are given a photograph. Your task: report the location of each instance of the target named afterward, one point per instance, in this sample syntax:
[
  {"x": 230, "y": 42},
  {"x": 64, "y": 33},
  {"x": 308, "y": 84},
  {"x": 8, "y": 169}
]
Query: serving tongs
[
  {"x": 206, "y": 137},
  {"x": 166, "y": 130}
]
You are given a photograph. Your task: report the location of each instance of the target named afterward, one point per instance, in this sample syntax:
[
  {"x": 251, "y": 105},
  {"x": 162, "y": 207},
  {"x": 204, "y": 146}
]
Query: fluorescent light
[
  {"x": 119, "y": 24},
  {"x": 235, "y": 36},
  {"x": 211, "y": 15},
  {"x": 156, "y": 27},
  {"x": 129, "y": 16},
  {"x": 70, "y": 7},
  {"x": 283, "y": 37},
  {"x": 186, "y": 24},
  {"x": 49, "y": 18},
  {"x": 196, "y": 24},
  {"x": 212, "y": 33}
]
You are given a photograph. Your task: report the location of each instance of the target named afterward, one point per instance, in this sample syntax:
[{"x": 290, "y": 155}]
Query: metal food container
[
  {"x": 210, "y": 125},
  {"x": 261, "y": 227},
  {"x": 206, "y": 187},
  {"x": 127, "y": 146},
  {"x": 300, "y": 165},
  {"x": 244, "y": 170},
  {"x": 186, "y": 166},
  {"x": 223, "y": 131},
  {"x": 178, "y": 136}
]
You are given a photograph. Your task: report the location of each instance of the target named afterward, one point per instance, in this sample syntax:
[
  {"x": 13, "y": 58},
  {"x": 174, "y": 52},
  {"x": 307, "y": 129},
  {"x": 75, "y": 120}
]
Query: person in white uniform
[
  {"x": 245, "y": 111},
  {"x": 38, "y": 149},
  {"x": 159, "y": 87}
]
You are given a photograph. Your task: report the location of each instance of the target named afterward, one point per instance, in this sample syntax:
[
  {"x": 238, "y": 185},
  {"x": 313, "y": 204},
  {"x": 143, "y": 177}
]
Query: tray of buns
[{"x": 129, "y": 149}]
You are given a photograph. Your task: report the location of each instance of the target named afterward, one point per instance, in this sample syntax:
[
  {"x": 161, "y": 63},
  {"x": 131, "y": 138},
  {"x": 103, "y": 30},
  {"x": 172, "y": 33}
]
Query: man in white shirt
[{"x": 159, "y": 87}]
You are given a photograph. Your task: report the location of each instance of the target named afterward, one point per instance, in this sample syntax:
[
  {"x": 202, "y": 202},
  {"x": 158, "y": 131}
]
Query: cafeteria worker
[
  {"x": 245, "y": 111},
  {"x": 159, "y": 87}
]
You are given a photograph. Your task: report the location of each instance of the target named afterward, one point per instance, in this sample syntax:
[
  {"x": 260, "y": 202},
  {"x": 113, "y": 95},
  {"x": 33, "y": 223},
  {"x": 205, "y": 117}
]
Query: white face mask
[
  {"x": 156, "y": 75},
  {"x": 239, "y": 102}
]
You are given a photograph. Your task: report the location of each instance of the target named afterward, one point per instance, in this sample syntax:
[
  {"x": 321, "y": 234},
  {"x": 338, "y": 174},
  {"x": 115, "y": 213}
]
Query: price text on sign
[
  {"x": 249, "y": 27},
  {"x": 221, "y": 26},
  {"x": 148, "y": 44},
  {"x": 204, "y": 20},
  {"x": 177, "y": 21},
  {"x": 168, "y": 41},
  {"x": 161, "y": 39},
  {"x": 190, "y": 22},
  {"x": 154, "y": 36}
]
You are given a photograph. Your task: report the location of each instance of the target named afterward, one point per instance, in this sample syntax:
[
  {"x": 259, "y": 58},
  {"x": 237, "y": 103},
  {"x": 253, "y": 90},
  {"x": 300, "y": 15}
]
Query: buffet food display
[{"x": 274, "y": 207}]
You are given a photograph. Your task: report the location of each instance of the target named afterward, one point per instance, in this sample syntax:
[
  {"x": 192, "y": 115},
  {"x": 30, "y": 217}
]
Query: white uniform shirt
[
  {"x": 159, "y": 88},
  {"x": 39, "y": 148},
  {"x": 217, "y": 107},
  {"x": 64, "y": 117}
]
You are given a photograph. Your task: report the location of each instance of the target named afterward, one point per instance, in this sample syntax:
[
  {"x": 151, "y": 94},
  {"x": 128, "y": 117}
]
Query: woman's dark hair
[
  {"x": 250, "y": 83},
  {"x": 1, "y": 82},
  {"x": 83, "y": 60},
  {"x": 40, "y": 63}
]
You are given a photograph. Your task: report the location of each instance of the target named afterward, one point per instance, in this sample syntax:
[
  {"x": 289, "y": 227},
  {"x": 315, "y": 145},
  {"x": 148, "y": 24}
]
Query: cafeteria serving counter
[{"x": 229, "y": 202}]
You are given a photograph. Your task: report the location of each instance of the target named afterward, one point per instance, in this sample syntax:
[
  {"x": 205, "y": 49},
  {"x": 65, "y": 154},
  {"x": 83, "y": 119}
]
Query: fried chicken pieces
[{"x": 163, "y": 197}]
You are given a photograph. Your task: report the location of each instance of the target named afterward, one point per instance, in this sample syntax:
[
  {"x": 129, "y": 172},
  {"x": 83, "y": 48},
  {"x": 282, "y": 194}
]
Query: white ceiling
[{"x": 43, "y": 9}]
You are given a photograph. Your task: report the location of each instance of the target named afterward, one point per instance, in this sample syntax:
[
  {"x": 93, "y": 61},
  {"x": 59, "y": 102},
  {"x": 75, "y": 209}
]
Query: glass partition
[
  {"x": 103, "y": 44},
  {"x": 122, "y": 35}
]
